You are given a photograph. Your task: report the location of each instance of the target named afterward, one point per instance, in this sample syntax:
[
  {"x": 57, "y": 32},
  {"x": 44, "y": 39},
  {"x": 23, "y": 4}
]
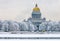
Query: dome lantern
[{"x": 36, "y": 5}]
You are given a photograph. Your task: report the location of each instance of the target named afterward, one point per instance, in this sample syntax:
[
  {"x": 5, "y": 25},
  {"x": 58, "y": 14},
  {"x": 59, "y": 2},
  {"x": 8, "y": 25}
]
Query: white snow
[{"x": 28, "y": 27}]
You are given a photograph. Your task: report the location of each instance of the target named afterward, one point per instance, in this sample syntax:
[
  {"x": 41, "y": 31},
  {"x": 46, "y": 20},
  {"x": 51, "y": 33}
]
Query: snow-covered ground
[{"x": 26, "y": 32}]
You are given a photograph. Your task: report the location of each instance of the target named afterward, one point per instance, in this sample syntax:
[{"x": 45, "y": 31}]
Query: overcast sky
[{"x": 22, "y": 9}]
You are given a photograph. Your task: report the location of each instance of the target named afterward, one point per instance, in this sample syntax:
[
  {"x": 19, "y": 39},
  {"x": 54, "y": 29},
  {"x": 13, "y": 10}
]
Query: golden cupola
[{"x": 36, "y": 8}]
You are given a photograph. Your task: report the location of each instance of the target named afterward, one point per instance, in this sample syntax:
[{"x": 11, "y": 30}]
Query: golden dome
[{"x": 36, "y": 8}]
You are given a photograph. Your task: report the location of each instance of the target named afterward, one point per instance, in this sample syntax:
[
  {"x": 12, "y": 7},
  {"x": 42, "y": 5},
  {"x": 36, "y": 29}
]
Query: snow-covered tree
[
  {"x": 0, "y": 25},
  {"x": 5, "y": 27},
  {"x": 43, "y": 26},
  {"x": 23, "y": 26}
]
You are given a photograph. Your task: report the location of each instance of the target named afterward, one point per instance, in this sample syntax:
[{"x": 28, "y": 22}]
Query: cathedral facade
[{"x": 36, "y": 16}]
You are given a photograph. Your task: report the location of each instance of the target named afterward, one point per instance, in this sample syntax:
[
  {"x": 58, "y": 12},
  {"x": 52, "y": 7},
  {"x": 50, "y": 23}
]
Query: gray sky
[{"x": 22, "y": 9}]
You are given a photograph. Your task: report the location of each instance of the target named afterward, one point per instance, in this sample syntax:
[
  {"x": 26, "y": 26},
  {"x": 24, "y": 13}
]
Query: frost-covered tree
[
  {"x": 27, "y": 26},
  {"x": 0, "y": 25},
  {"x": 43, "y": 26},
  {"x": 5, "y": 27},
  {"x": 31, "y": 26},
  {"x": 23, "y": 26},
  {"x": 13, "y": 26},
  {"x": 53, "y": 26}
]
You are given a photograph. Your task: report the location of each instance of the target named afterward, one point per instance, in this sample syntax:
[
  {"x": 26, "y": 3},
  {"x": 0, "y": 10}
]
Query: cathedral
[{"x": 36, "y": 16}]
